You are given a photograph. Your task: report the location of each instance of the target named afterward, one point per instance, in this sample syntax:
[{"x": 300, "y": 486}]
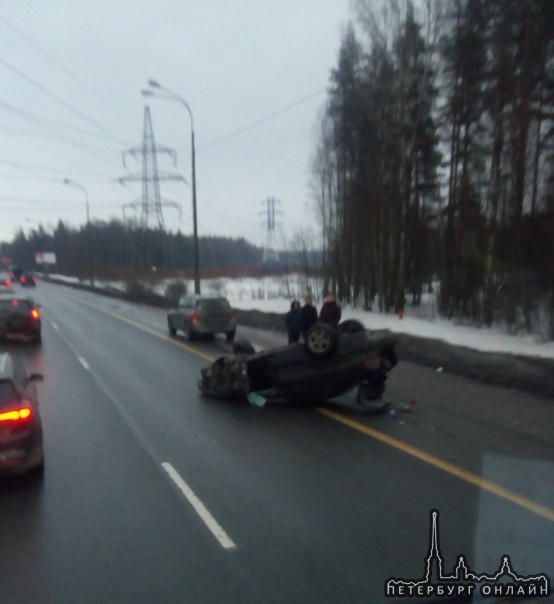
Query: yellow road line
[
  {"x": 437, "y": 462},
  {"x": 147, "y": 330},
  {"x": 466, "y": 475}
]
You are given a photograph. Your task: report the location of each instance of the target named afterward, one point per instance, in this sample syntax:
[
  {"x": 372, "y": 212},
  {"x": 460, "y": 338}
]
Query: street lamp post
[
  {"x": 67, "y": 181},
  {"x": 170, "y": 95}
]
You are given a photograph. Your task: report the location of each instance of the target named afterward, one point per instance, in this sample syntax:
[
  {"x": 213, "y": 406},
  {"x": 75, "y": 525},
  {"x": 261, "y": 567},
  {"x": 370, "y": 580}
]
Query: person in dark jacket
[
  {"x": 309, "y": 315},
  {"x": 330, "y": 311},
  {"x": 293, "y": 322}
]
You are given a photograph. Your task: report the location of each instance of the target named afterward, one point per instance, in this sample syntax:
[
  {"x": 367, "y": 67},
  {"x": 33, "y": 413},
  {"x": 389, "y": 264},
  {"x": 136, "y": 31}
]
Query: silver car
[{"x": 202, "y": 315}]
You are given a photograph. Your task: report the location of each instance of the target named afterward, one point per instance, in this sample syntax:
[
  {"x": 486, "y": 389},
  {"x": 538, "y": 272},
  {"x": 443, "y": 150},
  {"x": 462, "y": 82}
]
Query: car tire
[
  {"x": 171, "y": 329},
  {"x": 321, "y": 341},
  {"x": 230, "y": 335}
]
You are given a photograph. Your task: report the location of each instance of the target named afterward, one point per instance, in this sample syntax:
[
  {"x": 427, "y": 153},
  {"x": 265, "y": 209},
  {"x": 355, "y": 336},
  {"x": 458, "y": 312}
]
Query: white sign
[{"x": 45, "y": 258}]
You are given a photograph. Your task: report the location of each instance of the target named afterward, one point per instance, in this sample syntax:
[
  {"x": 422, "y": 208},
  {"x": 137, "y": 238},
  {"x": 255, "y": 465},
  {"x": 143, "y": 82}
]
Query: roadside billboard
[{"x": 45, "y": 258}]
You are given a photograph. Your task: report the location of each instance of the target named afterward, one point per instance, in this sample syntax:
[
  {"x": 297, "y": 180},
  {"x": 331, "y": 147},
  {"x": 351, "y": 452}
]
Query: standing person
[
  {"x": 330, "y": 311},
  {"x": 293, "y": 322},
  {"x": 309, "y": 315}
]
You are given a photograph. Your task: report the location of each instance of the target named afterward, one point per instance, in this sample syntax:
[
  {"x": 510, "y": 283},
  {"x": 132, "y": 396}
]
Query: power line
[
  {"x": 35, "y": 168},
  {"x": 39, "y": 118},
  {"x": 61, "y": 101},
  {"x": 262, "y": 120},
  {"x": 82, "y": 146},
  {"x": 69, "y": 73}
]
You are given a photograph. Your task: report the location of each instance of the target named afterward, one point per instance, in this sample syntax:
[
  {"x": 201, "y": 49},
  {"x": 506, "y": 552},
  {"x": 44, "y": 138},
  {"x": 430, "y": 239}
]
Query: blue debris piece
[{"x": 255, "y": 399}]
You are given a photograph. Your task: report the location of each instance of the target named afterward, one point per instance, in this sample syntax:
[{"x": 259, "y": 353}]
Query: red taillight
[
  {"x": 8, "y": 283},
  {"x": 35, "y": 314},
  {"x": 16, "y": 415},
  {"x": 372, "y": 364},
  {"x": 194, "y": 318},
  {"x": 23, "y": 280}
]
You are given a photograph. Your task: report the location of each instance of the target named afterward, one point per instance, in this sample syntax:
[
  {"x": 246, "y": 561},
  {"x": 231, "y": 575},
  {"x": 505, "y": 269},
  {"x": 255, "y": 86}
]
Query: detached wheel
[
  {"x": 321, "y": 341},
  {"x": 242, "y": 346}
]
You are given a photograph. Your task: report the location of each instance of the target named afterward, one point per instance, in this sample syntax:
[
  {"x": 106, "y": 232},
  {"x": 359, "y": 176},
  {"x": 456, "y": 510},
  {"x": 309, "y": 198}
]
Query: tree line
[
  {"x": 117, "y": 248},
  {"x": 434, "y": 164},
  {"x": 126, "y": 247}
]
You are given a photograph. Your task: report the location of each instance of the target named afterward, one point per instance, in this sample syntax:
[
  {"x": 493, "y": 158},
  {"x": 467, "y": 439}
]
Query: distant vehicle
[
  {"x": 21, "y": 448},
  {"x": 5, "y": 281},
  {"x": 27, "y": 280},
  {"x": 330, "y": 363},
  {"x": 16, "y": 272},
  {"x": 19, "y": 318},
  {"x": 202, "y": 315}
]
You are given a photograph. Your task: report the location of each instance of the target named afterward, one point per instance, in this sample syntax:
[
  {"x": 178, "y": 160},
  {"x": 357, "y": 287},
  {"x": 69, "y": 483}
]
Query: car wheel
[
  {"x": 172, "y": 330},
  {"x": 230, "y": 335},
  {"x": 321, "y": 341}
]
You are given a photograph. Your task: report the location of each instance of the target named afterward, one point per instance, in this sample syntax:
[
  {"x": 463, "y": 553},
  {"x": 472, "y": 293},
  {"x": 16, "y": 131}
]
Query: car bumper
[
  {"x": 20, "y": 458},
  {"x": 20, "y": 336}
]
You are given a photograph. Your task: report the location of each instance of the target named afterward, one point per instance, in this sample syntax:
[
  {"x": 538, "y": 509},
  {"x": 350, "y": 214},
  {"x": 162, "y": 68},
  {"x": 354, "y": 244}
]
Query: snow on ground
[{"x": 275, "y": 295}]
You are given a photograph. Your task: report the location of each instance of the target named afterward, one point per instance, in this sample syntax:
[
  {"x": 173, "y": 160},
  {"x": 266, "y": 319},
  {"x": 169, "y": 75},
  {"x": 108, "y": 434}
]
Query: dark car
[
  {"x": 19, "y": 318},
  {"x": 16, "y": 272},
  {"x": 331, "y": 362},
  {"x": 202, "y": 315},
  {"x": 21, "y": 448},
  {"x": 6, "y": 282},
  {"x": 27, "y": 280}
]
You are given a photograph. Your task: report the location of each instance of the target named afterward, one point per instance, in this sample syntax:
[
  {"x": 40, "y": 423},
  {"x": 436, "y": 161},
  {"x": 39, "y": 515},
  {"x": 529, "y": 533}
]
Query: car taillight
[
  {"x": 35, "y": 314},
  {"x": 194, "y": 318},
  {"x": 372, "y": 364},
  {"x": 8, "y": 283},
  {"x": 16, "y": 415},
  {"x": 22, "y": 280}
]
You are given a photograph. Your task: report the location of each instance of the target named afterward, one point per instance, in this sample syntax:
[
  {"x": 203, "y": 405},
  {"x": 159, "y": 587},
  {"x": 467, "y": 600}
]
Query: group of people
[{"x": 299, "y": 319}]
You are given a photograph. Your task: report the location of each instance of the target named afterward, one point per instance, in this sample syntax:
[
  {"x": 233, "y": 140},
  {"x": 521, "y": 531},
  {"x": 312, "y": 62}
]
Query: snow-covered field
[{"x": 274, "y": 294}]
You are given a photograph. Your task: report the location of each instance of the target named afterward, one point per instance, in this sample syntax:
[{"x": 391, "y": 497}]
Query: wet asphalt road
[{"x": 154, "y": 494}]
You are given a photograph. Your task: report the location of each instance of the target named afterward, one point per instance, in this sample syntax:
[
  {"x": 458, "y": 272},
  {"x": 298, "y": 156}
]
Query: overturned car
[{"x": 331, "y": 362}]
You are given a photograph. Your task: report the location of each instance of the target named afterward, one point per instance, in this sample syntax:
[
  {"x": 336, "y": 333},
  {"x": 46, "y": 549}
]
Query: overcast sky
[{"x": 254, "y": 73}]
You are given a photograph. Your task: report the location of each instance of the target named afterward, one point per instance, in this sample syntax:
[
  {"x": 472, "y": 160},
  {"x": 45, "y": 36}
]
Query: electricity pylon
[
  {"x": 151, "y": 201},
  {"x": 271, "y": 254}
]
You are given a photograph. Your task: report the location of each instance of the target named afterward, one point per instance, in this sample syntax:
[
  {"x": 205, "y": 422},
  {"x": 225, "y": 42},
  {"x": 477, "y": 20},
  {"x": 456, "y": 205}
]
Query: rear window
[
  {"x": 8, "y": 394},
  {"x": 219, "y": 305},
  {"x": 13, "y": 304}
]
